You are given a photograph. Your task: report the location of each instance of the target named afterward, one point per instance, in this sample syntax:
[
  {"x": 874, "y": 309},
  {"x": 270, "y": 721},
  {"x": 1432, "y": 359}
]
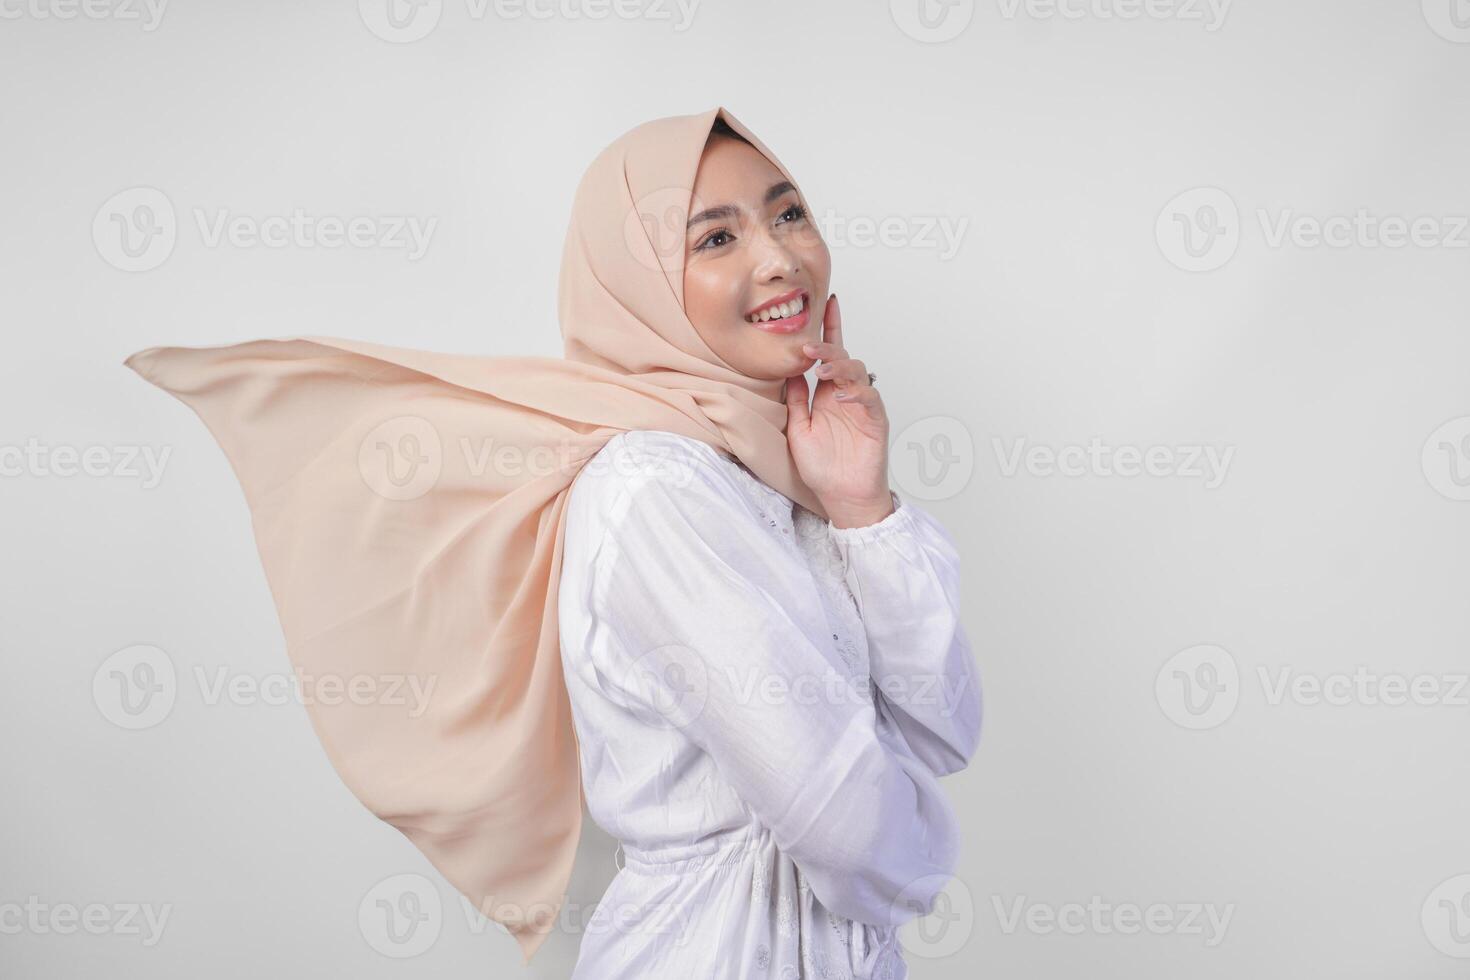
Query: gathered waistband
[
  {"x": 710, "y": 852},
  {"x": 867, "y": 945}
]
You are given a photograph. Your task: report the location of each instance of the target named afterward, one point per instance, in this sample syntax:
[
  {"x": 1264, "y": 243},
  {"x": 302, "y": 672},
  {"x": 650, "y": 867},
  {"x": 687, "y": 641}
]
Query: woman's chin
[
  {"x": 780, "y": 367},
  {"x": 771, "y": 356},
  {"x": 799, "y": 363}
]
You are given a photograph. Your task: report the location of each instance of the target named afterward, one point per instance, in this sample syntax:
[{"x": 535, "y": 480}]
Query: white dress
[{"x": 763, "y": 703}]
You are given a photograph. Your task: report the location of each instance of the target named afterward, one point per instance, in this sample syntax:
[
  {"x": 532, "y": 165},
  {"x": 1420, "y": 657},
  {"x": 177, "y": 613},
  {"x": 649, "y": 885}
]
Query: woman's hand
[{"x": 840, "y": 444}]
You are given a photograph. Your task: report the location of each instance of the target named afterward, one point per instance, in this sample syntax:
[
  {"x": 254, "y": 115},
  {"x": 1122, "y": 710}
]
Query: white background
[{"x": 1121, "y": 183}]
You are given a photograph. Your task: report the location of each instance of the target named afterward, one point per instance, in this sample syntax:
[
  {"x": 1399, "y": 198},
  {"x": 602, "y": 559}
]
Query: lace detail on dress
[
  {"x": 774, "y": 507},
  {"x": 849, "y": 637},
  {"x": 760, "y": 885},
  {"x": 812, "y": 531},
  {"x": 808, "y": 533}
]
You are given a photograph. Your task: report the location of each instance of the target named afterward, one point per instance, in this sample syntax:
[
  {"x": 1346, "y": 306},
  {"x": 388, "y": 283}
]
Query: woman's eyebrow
[{"x": 729, "y": 210}]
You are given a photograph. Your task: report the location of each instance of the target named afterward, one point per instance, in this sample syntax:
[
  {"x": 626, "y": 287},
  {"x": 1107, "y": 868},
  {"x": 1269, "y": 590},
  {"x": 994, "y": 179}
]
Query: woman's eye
[
  {"x": 711, "y": 241},
  {"x": 796, "y": 211}
]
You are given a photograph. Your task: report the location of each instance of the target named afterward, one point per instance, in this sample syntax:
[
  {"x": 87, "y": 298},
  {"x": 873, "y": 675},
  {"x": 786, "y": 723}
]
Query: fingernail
[{"x": 840, "y": 395}]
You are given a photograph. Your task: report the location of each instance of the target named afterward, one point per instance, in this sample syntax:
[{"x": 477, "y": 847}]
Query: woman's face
[{"x": 750, "y": 241}]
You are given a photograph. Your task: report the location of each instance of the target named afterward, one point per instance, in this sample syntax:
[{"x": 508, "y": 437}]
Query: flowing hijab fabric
[{"x": 409, "y": 509}]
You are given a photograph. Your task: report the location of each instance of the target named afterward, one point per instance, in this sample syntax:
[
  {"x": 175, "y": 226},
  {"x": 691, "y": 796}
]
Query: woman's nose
[{"x": 775, "y": 258}]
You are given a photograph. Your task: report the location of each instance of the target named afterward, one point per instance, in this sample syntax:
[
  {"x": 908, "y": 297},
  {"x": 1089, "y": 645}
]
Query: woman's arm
[
  {"x": 717, "y": 629},
  {"x": 904, "y": 572}
]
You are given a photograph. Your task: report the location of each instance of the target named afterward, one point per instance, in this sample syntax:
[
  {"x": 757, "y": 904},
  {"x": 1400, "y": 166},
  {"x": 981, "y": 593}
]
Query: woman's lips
[{"x": 790, "y": 324}]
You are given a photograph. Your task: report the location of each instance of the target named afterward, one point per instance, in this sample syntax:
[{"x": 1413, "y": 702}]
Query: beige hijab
[{"x": 409, "y": 508}]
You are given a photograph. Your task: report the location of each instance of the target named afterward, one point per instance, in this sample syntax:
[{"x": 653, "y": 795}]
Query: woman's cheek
[
  {"x": 698, "y": 302},
  {"x": 821, "y": 263}
]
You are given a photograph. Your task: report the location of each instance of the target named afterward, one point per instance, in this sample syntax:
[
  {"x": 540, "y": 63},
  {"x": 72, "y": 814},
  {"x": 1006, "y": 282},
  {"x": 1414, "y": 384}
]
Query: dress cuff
[{"x": 872, "y": 532}]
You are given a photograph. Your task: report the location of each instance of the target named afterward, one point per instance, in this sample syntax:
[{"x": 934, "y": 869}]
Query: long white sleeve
[
  {"x": 717, "y": 629},
  {"x": 904, "y": 572}
]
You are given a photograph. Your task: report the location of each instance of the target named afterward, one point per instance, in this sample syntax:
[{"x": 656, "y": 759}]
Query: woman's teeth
[{"x": 780, "y": 312}]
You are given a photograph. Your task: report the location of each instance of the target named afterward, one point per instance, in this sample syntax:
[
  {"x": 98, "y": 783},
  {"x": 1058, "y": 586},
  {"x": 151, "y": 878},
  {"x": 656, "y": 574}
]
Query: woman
[
  {"x": 413, "y": 511},
  {"x": 778, "y": 819}
]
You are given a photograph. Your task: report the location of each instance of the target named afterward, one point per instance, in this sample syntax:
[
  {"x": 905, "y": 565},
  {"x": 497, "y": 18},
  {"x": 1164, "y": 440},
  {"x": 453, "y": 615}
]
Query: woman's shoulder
[
  {"x": 642, "y": 455},
  {"x": 664, "y": 464},
  {"x": 644, "y": 445},
  {"x": 651, "y": 459}
]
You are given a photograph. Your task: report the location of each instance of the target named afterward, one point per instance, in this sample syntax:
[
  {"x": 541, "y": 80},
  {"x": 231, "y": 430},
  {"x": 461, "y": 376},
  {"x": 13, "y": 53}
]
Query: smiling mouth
[{"x": 787, "y": 314}]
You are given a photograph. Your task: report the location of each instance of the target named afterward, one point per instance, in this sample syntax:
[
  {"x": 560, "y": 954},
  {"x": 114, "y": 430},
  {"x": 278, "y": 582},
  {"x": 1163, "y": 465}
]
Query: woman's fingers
[
  {"x": 829, "y": 348},
  {"x": 797, "y": 393},
  {"x": 844, "y": 372},
  {"x": 832, "y": 322},
  {"x": 848, "y": 375},
  {"x": 824, "y": 351},
  {"x": 864, "y": 395}
]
